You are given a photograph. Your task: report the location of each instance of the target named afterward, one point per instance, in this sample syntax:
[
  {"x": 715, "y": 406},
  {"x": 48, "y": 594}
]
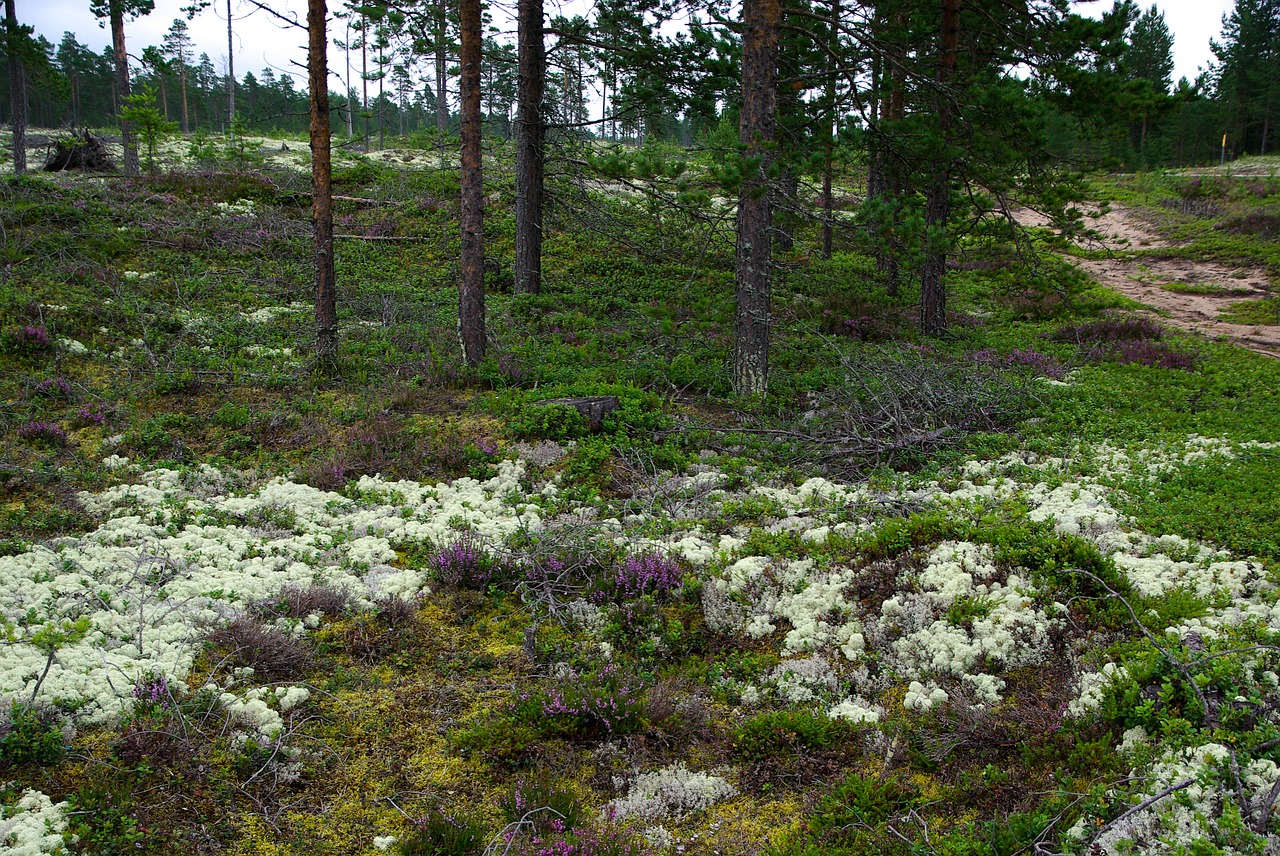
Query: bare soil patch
[{"x": 1186, "y": 294}]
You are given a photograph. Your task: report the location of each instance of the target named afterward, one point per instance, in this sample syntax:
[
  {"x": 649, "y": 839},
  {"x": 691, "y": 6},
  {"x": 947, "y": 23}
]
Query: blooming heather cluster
[
  {"x": 609, "y": 701},
  {"x": 153, "y": 691},
  {"x": 32, "y": 337},
  {"x": 91, "y": 414},
  {"x": 610, "y": 841},
  {"x": 56, "y": 387},
  {"x": 40, "y": 431},
  {"x": 1042, "y": 365},
  {"x": 461, "y": 564},
  {"x": 649, "y": 573}
]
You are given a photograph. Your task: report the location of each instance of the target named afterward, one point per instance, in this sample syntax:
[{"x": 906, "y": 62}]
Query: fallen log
[{"x": 593, "y": 408}]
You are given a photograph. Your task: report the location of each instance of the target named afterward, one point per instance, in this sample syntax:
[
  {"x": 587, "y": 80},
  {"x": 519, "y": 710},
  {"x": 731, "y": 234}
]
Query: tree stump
[
  {"x": 593, "y": 409},
  {"x": 85, "y": 153}
]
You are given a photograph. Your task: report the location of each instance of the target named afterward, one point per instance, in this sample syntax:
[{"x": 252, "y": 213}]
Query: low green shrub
[
  {"x": 772, "y": 733},
  {"x": 30, "y": 734}
]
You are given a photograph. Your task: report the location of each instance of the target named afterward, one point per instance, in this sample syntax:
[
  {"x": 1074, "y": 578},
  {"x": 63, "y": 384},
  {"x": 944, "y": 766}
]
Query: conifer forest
[{"x": 642, "y": 428}]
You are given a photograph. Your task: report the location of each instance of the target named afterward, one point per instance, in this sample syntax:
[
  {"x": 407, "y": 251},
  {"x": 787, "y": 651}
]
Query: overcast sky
[{"x": 260, "y": 41}]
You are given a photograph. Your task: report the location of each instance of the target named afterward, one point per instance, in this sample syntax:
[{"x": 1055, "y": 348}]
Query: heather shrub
[
  {"x": 1260, "y": 222},
  {"x": 608, "y": 702},
  {"x": 609, "y": 840},
  {"x": 442, "y": 833},
  {"x": 1110, "y": 330},
  {"x": 541, "y": 805},
  {"x": 464, "y": 564},
  {"x": 245, "y": 641},
  {"x": 1030, "y": 360},
  {"x": 648, "y": 574},
  {"x": 41, "y": 433},
  {"x": 151, "y": 692},
  {"x": 1154, "y": 354},
  {"x": 157, "y": 731},
  {"x": 299, "y": 602},
  {"x": 91, "y": 414},
  {"x": 27, "y": 339},
  {"x": 55, "y": 388}
]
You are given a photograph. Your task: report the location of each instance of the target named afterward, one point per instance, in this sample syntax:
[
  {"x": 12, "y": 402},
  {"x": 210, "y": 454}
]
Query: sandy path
[{"x": 1142, "y": 279}]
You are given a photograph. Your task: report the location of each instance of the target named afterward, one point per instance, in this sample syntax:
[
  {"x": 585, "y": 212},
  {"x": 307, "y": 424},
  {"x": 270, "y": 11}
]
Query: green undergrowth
[{"x": 143, "y": 321}]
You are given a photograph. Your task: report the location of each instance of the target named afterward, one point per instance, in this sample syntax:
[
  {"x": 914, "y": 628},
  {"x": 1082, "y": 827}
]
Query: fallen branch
[
  {"x": 1144, "y": 805},
  {"x": 360, "y": 200},
  {"x": 382, "y": 237}
]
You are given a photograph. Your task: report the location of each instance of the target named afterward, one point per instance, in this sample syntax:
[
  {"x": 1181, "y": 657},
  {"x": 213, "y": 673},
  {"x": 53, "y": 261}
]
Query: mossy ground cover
[{"x": 165, "y": 321}]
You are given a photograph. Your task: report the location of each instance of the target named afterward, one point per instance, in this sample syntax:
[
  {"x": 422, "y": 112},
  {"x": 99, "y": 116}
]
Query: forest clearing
[{"x": 864, "y": 483}]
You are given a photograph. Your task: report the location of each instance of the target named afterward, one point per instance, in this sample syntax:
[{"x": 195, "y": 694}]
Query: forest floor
[{"x": 1004, "y": 591}]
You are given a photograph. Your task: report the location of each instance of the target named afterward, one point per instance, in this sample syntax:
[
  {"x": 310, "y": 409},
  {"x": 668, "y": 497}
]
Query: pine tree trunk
[
  {"x": 321, "y": 184},
  {"x": 761, "y": 24},
  {"x": 529, "y": 141},
  {"x": 364, "y": 80},
  {"x": 829, "y": 132},
  {"x": 17, "y": 90},
  {"x": 182, "y": 80},
  {"x": 877, "y": 186},
  {"x": 471, "y": 287},
  {"x": 231, "y": 74},
  {"x": 937, "y": 206},
  {"x": 121, "y": 90},
  {"x": 442, "y": 68}
]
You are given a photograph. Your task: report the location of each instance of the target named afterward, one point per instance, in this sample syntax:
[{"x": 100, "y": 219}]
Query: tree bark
[
  {"x": 321, "y": 184},
  {"x": 131, "y": 166},
  {"x": 442, "y": 67},
  {"x": 17, "y": 89},
  {"x": 530, "y": 133},
  {"x": 471, "y": 287},
  {"x": 829, "y": 132},
  {"x": 761, "y": 24},
  {"x": 937, "y": 206},
  {"x": 382, "y": 101},
  {"x": 182, "y": 81},
  {"x": 231, "y": 75},
  {"x": 364, "y": 79}
]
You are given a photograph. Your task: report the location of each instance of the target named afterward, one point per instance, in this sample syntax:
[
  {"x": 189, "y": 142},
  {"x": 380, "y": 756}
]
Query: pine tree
[
  {"x": 321, "y": 184},
  {"x": 1147, "y": 65},
  {"x": 177, "y": 46},
  {"x": 1149, "y": 53},
  {"x": 530, "y": 133},
  {"x": 14, "y": 48},
  {"x": 471, "y": 287},
  {"x": 1247, "y": 73},
  {"x": 761, "y": 22},
  {"x": 116, "y": 11}
]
